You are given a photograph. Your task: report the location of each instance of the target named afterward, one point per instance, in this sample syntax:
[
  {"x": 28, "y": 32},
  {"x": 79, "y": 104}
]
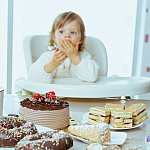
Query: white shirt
[{"x": 86, "y": 70}]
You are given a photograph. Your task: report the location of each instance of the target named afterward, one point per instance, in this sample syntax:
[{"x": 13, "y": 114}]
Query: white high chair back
[{"x": 35, "y": 45}]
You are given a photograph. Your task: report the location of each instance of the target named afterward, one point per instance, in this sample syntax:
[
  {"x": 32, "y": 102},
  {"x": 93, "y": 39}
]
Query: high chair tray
[{"x": 103, "y": 87}]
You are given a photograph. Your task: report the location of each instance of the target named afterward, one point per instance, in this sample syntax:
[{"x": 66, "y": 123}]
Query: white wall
[
  {"x": 113, "y": 22},
  {"x": 3, "y": 43}
]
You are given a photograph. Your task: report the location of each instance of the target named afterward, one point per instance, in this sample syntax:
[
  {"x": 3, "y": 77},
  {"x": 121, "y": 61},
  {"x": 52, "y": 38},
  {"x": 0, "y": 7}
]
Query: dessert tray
[
  {"x": 85, "y": 121},
  {"x": 117, "y": 138},
  {"x": 103, "y": 87}
]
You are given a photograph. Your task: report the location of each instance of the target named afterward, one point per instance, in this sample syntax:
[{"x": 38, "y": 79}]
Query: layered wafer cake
[
  {"x": 99, "y": 133},
  {"x": 98, "y": 115},
  {"x": 46, "y": 110},
  {"x": 121, "y": 118},
  {"x": 139, "y": 112},
  {"x": 115, "y": 106}
]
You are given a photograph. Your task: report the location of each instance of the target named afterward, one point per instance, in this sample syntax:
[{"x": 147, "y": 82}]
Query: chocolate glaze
[
  {"x": 54, "y": 140},
  {"x": 12, "y": 129}
]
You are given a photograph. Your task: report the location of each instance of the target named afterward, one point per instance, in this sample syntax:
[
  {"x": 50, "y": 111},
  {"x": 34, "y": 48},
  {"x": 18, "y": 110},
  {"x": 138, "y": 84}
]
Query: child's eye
[
  {"x": 61, "y": 31},
  {"x": 73, "y": 32}
]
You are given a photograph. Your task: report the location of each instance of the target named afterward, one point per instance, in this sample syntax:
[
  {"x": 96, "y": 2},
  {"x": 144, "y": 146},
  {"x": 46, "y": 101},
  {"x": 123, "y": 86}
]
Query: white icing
[
  {"x": 102, "y": 126},
  {"x": 94, "y": 133}
]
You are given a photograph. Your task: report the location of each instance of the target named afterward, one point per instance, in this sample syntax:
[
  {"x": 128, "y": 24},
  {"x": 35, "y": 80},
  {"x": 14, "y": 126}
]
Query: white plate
[
  {"x": 117, "y": 138},
  {"x": 134, "y": 126},
  {"x": 103, "y": 87},
  {"x": 85, "y": 121}
]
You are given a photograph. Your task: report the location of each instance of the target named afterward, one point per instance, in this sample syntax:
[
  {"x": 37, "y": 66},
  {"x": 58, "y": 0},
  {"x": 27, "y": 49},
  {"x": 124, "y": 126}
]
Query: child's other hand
[
  {"x": 59, "y": 57},
  {"x": 71, "y": 50}
]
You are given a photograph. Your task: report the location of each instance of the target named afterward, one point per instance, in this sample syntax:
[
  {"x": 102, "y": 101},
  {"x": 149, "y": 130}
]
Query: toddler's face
[{"x": 70, "y": 31}]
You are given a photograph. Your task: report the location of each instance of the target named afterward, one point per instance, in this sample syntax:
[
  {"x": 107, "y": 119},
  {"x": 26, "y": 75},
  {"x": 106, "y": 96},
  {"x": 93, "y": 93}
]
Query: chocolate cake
[{"x": 47, "y": 110}]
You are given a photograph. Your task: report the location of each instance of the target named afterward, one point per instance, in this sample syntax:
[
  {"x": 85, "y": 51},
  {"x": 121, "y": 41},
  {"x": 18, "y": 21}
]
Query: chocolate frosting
[
  {"x": 44, "y": 103},
  {"x": 12, "y": 129},
  {"x": 55, "y": 140}
]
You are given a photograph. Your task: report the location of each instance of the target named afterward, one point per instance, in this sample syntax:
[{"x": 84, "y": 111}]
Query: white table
[{"x": 134, "y": 136}]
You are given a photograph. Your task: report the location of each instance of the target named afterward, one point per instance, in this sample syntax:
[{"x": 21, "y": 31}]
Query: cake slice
[
  {"x": 137, "y": 108},
  {"x": 99, "y": 133},
  {"x": 115, "y": 106},
  {"x": 121, "y": 119},
  {"x": 139, "y": 112},
  {"x": 98, "y": 115}
]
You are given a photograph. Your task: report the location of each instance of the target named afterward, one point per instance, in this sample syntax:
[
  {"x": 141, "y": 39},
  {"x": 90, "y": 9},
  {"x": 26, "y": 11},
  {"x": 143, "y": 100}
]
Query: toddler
[{"x": 67, "y": 58}]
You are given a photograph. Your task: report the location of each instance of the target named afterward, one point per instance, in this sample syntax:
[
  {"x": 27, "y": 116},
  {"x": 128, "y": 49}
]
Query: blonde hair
[{"x": 63, "y": 19}]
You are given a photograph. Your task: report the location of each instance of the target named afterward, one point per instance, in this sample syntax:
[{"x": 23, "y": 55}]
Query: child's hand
[
  {"x": 71, "y": 50},
  {"x": 59, "y": 57}
]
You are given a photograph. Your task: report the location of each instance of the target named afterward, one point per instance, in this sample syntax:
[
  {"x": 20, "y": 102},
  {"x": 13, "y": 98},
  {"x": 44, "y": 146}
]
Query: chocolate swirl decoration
[{"x": 48, "y": 101}]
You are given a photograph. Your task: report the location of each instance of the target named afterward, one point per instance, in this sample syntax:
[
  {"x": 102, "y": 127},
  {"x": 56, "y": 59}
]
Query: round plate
[
  {"x": 85, "y": 121},
  {"x": 117, "y": 138},
  {"x": 134, "y": 126},
  {"x": 113, "y": 128},
  {"x": 103, "y": 87}
]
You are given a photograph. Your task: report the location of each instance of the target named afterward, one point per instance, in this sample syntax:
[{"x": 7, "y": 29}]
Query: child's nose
[{"x": 67, "y": 35}]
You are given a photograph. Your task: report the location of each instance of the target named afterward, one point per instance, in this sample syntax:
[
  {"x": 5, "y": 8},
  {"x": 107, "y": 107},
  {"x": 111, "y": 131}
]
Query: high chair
[
  {"x": 35, "y": 45},
  {"x": 105, "y": 86}
]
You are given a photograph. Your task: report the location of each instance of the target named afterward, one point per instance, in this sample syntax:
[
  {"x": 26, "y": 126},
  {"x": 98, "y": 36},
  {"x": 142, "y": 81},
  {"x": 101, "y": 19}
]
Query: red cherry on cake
[
  {"x": 36, "y": 95},
  {"x": 54, "y": 97},
  {"x": 51, "y": 94}
]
